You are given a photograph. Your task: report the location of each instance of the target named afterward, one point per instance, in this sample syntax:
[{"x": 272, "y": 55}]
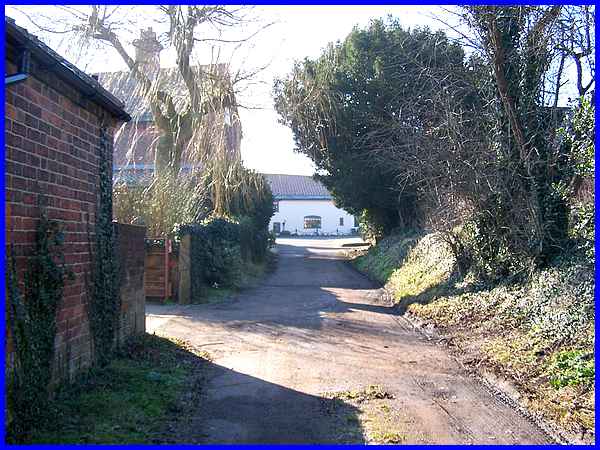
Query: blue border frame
[
  {"x": 4, "y": 263},
  {"x": 324, "y": 3},
  {"x": 255, "y": 2}
]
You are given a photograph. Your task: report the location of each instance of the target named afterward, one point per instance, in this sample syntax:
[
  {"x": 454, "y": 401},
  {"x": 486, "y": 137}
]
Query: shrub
[
  {"x": 579, "y": 137},
  {"x": 216, "y": 256},
  {"x": 488, "y": 250},
  {"x": 571, "y": 368},
  {"x": 244, "y": 198},
  {"x": 254, "y": 240}
]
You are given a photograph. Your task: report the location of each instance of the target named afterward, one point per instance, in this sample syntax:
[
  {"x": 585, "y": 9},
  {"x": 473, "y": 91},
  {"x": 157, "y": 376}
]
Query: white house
[{"x": 304, "y": 206}]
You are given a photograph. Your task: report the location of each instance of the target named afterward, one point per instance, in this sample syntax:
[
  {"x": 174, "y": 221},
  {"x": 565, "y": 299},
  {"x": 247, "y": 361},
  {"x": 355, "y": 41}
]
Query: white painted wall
[{"x": 292, "y": 212}]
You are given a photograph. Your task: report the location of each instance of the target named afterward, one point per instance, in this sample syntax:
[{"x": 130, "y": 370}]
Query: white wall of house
[{"x": 292, "y": 212}]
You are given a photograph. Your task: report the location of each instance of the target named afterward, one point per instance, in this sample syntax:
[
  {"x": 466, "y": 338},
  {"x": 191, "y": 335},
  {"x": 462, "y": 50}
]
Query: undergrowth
[{"x": 537, "y": 331}]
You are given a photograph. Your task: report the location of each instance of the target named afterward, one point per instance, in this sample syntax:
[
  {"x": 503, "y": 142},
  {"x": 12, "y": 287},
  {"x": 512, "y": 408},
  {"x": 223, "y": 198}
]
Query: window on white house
[
  {"x": 355, "y": 221},
  {"x": 341, "y": 221},
  {"x": 275, "y": 206},
  {"x": 312, "y": 222}
]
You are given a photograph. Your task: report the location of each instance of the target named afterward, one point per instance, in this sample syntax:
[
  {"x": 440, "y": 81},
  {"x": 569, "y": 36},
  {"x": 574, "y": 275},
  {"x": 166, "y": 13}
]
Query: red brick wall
[
  {"x": 131, "y": 248},
  {"x": 52, "y": 135}
]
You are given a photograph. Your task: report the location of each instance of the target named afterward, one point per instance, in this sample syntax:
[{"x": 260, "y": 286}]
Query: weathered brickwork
[{"x": 52, "y": 147}]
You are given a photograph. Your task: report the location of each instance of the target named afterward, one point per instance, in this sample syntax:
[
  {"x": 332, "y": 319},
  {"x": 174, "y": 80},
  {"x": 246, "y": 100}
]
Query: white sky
[
  {"x": 297, "y": 32},
  {"x": 303, "y": 31}
]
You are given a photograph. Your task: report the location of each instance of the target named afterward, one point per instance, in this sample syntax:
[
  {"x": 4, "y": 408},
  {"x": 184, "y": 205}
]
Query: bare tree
[
  {"x": 187, "y": 117},
  {"x": 187, "y": 114},
  {"x": 576, "y": 40}
]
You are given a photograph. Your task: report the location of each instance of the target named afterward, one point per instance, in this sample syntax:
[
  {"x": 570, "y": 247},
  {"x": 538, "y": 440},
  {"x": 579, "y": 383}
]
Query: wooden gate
[{"x": 158, "y": 278}]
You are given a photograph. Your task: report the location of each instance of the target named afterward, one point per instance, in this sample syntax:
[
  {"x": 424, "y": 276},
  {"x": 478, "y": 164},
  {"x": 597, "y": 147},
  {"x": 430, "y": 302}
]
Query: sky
[
  {"x": 303, "y": 31},
  {"x": 295, "y": 32}
]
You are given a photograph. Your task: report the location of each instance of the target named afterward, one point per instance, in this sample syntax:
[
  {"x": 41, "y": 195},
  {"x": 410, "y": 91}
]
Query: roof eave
[
  {"x": 303, "y": 197},
  {"x": 66, "y": 71}
]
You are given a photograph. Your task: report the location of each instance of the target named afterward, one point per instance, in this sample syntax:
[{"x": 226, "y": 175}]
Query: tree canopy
[
  {"x": 363, "y": 97},
  {"x": 408, "y": 131}
]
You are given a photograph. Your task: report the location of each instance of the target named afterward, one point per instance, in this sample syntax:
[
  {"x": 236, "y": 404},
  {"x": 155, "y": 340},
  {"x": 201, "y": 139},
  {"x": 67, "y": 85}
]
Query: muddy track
[{"x": 315, "y": 326}]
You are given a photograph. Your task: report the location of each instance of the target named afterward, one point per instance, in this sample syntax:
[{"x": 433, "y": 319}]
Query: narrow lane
[{"x": 315, "y": 326}]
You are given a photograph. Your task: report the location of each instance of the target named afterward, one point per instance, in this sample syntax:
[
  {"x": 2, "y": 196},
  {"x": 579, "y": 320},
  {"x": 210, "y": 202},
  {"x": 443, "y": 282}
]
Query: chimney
[{"x": 147, "y": 52}]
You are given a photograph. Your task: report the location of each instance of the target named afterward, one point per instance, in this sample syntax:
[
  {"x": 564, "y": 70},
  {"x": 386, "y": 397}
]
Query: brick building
[
  {"x": 136, "y": 141},
  {"x": 56, "y": 117}
]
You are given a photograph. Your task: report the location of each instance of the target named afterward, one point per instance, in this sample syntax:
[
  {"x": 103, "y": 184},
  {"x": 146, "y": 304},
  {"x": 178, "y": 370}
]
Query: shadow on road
[
  {"x": 315, "y": 323},
  {"x": 306, "y": 289},
  {"x": 379, "y": 309},
  {"x": 227, "y": 407}
]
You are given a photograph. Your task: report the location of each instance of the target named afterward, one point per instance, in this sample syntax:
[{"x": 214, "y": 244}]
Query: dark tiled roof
[
  {"x": 297, "y": 187},
  {"x": 124, "y": 86},
  {"x": 64, "y": 69},
  {"x": 137, "y": 142}
]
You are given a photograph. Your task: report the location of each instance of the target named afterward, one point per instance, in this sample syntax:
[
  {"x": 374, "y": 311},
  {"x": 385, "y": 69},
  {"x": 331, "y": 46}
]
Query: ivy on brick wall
[
  {"x": 104, "y": 299},
  {"x": 32, "y": 316}
]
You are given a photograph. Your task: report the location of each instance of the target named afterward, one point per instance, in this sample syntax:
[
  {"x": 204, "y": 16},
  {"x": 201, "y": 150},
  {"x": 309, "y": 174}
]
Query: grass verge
[
  {"x": 537, "y": 333},
  {"x": 377, "y": 420},
  {"x": 129, "y": 401}
]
